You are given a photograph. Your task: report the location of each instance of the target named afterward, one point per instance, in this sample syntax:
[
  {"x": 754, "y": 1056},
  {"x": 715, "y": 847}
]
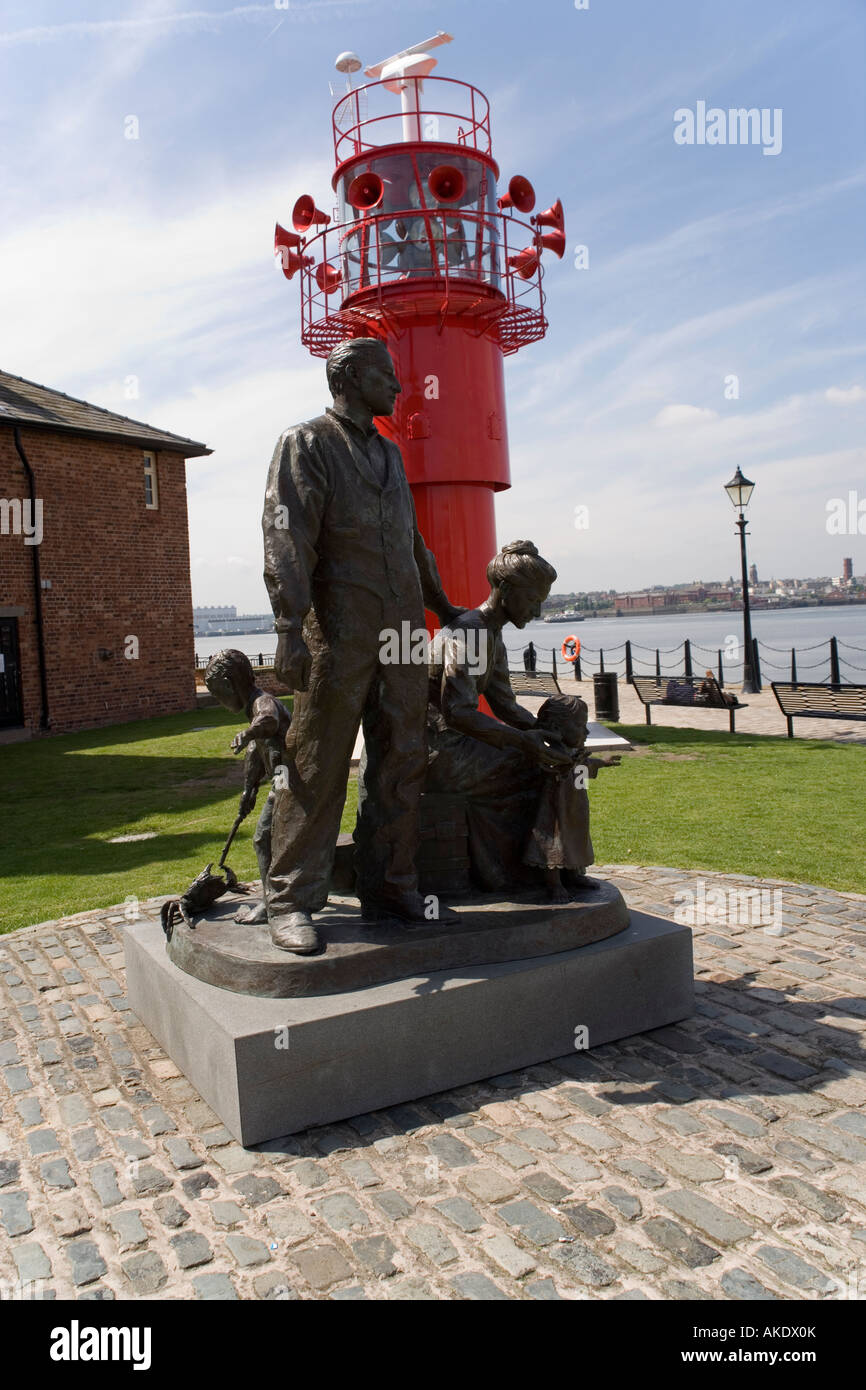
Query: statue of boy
[{"x": 229, "y": 677}]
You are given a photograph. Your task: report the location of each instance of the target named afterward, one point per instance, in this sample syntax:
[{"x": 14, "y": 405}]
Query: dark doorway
[{"x": 11, "y": 709}]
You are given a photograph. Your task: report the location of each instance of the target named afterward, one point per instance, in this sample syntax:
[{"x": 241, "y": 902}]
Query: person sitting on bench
[
  {"x": 679, "y": 692},
  {"x": 710, "y": 692}
]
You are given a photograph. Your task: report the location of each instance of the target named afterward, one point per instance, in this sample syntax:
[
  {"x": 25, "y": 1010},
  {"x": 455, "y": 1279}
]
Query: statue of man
[{"x": 345, "y": 566}]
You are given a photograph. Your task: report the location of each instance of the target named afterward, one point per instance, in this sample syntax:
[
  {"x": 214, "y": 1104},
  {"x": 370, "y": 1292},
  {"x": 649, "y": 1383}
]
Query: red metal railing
[
  {"x": 430, "y": 259},
  {"x": 354, "y": 129}
]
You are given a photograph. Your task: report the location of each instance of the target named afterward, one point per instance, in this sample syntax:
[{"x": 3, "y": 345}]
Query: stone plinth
[{"x": 271, "y": 1067}]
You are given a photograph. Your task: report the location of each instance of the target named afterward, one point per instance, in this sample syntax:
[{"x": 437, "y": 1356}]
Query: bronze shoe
[{"x": 296, "y": 933}]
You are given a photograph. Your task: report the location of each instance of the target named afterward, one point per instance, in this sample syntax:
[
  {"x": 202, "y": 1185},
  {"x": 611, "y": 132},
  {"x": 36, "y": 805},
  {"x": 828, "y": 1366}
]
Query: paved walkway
[
  {"x": 722, "y": 1158},
  {"x": 763, "y": 715}
]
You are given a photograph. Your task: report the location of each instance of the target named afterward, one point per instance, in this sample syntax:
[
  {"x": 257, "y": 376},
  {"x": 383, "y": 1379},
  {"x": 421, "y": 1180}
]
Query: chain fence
[{"x": 687, "y": 658}]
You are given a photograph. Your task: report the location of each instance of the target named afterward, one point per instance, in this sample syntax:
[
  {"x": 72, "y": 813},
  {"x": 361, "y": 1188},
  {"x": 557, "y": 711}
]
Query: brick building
[
  {"x": 670, "y": 598},
  {"x": 95, "y": 600}
]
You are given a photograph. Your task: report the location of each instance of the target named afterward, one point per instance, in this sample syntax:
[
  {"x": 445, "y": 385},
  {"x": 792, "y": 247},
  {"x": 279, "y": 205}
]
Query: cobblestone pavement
[{"x": 722, "y": 1158}]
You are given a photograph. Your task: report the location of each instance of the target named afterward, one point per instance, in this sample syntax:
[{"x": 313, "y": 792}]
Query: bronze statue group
[{"x": 344, "y": 563}]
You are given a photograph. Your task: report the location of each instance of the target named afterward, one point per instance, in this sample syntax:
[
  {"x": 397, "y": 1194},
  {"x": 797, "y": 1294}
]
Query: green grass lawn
[
  {"x": 62, "y": 800},
  {"x": 735, "y": 803},
  {"x": 788, "y": 809}
]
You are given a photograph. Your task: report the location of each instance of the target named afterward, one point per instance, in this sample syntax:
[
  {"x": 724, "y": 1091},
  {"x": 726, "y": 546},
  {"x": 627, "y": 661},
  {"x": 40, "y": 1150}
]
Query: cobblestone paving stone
[{"x": 720, "y": 1158}]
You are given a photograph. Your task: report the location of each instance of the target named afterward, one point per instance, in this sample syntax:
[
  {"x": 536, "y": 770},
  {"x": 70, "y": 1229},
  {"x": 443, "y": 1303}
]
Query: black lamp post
[{"x": 739, "y": 489}]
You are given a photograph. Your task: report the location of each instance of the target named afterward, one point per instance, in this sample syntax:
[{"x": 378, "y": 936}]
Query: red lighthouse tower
[{"x": 422, "y": 253}]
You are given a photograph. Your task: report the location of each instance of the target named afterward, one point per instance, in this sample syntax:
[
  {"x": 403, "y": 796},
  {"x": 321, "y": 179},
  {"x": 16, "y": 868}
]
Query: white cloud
[
  {"x": 109, "y": 292},
  {"x": 242, "y": 417},
  {"x": 673, "y": 416},
  {"x": 657, "y": 510},
  {"x": 167, "y": 21},
  {"x": 838, "y": 395}
]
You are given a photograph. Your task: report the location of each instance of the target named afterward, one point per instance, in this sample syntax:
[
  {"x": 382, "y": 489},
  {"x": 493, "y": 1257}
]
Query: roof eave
[{"x": 174, "y": 444}]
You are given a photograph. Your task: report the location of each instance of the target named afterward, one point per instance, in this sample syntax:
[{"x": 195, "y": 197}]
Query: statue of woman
[{"x": 499, "y": 768}]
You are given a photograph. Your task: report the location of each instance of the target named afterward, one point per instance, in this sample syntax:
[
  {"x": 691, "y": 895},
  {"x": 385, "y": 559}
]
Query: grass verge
[{"x": 686, "y": 798}]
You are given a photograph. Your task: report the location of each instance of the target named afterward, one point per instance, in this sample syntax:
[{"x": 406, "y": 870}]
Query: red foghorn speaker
[
  {"x": 328, "y": 277},
  {"x": 292, "y": 263},
  {"x": 525, "y": 262},
  {"x": 366, "y": 191},
  {"x": 520, "y": 195},
  {"x": 305, "y": 214},
  {"x": 555, "y": 242},
  {"x": 285, "y": 241},
  {"x": 554, "y": 217},
  {"x": 446, "y": 183},
  {"x": 288, "y": 245}
]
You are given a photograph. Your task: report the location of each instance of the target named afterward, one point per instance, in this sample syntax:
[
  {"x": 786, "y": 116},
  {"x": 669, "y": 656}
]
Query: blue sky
[{"x": 151, "y": 258}]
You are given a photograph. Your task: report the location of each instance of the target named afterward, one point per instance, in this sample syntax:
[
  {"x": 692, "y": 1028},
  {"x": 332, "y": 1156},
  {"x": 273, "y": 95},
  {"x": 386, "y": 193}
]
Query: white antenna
[
  {"x": 404, "y": 74},
  {"x": 348, "y": 63},
  {"x": 438, "y": 39}
]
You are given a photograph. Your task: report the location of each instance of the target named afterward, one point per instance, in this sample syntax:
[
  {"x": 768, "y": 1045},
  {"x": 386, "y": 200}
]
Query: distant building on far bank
[
  {"x": 203, "y": 617},
  {"x": 671, "y": 598},
  {"x": 221, "y": 622},
  {"x": 847, "y": 570},
  {"x": 95, "y": 599}
]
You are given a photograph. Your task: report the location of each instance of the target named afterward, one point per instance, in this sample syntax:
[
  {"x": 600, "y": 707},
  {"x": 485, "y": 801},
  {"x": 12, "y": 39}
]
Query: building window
[{"x": 151, "y": 487}]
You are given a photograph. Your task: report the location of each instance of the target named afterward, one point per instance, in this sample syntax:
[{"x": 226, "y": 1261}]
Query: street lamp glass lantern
[{"x": 739, "y": 489}]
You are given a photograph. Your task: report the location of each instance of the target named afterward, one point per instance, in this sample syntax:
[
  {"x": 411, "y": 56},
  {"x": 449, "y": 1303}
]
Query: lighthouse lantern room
[{"x": 422, "y": 253}]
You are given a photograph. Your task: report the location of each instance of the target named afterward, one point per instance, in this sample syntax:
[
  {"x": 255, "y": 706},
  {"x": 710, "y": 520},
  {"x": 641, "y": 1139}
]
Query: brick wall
[
  {"x": 116, "y": 569},
  {"x": 264, "y": 678}
]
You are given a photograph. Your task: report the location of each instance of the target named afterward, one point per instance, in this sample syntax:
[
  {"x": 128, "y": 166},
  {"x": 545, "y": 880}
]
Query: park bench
[
  {"x": 651, "y": 690},
  {"x": 542, "y": 683},
  {"x": 813, "y": 700}
]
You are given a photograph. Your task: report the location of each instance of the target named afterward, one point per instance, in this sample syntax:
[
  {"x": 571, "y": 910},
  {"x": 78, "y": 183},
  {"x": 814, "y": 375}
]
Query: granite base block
[{"x": 271, "y": 1067}]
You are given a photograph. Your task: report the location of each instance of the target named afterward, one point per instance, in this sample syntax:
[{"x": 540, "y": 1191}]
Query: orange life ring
[{"x": 574, "y": 642}]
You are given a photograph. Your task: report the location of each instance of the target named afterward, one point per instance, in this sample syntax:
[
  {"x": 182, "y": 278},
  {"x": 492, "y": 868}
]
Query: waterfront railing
[{"x": 833, "y": 660}]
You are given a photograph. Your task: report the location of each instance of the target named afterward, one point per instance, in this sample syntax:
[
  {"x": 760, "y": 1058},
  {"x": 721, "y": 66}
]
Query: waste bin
[{"x": 606, "y": 694}]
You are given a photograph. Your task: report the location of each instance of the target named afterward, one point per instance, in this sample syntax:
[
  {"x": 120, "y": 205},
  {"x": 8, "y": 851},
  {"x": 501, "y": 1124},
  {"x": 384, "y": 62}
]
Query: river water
[{"x": 807, "y": 629}]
